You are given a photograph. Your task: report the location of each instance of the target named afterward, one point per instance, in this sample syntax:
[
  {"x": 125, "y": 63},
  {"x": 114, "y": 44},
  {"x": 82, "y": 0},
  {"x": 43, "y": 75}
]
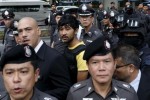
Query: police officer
[
  {"x": 101, "y": 64},
  {"x": 86, "y": 17},
  {"x": 50, "y": 20},
  {"x": 8, "y": 39},
  {"x": 100, "y": 14},
  {"x": 20, "y": 72},
  {"x": 134, "y": 33},
  {"x": 107, "y": 27}
]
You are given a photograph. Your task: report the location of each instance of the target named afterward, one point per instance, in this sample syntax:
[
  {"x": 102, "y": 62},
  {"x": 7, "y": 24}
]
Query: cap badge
[
  {"x": 15, "y": 24},
  {"x": 84, "y": 8},
  {"x": 6, "y": 12},
  {"x": 27, "y": 51},
  {"x": 112, "y": 14},
  {"x": 107, "y": 44},
  {"x": 105, "y": 12}
]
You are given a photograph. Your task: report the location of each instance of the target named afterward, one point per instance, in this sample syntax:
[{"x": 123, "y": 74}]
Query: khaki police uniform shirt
[
  {"x": 85, "y": 91},
  {"x": 37, "y": 95}
]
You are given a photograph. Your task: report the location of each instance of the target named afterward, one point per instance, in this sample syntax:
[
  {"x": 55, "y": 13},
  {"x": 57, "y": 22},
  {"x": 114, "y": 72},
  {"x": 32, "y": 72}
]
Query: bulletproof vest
[{"x": 70, "y": 56}]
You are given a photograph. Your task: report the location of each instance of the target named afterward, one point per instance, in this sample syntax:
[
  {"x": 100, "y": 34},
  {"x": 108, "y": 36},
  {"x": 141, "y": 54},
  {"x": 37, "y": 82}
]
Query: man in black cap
[
  {"x": 8, "y": 39},
  {"x": 101, "y": 64},
  {"x": 134, "y": 33},
  {"x": 86, "y": 17},
  {"x": 20, "y": 72}
]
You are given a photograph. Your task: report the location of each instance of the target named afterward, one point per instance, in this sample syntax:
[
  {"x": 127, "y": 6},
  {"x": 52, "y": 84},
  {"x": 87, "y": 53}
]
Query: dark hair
[
  {"x": 112, "y": 2},
  {"x": 68, "y": 20},
  {"x": 129, "y": 54},
  {"x": 53, "y": 4}
]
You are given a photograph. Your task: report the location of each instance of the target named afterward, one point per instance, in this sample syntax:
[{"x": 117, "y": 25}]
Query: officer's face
[
  {"x": 86, "y": 21},
  {"x": 53, "y": 7},
  {"x": 19, "y": 80},
  {"x": 140, "y": 6},
  {"x": 101, "y": 68},
  {"x": 101, "y": 6},
  {"x": 8, "y": 22},
  {"x": 106, "y": 21},
  {"x": 29, "y": 32},
  {"x": 67, "y": 33},
  {"x": 123, "y": 71},
  {"x": 145, "y": 8}
]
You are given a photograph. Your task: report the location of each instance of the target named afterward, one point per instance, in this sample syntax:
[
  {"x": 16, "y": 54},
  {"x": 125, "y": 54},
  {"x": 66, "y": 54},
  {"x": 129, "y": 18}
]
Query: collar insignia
[{"x": 77, "y": 85}]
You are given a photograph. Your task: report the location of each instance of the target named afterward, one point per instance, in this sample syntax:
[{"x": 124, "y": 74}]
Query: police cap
[
  {"x": 70, "y": 11},
  {"x": 85, "y": 10},
  {"x": 59, "y": 13},
  {"x": 106, "y": 14},
  {"x": 134, "y": 25},
  {"x": 100, "y": 46},
  {"x": 128, "y": 7},
  {"x": 18, "y": 54},
  {"x": 7, "y": 14}
]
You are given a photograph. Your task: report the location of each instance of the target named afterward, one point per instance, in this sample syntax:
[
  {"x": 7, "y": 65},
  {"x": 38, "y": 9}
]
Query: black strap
[{"x": 79, "y": 49}]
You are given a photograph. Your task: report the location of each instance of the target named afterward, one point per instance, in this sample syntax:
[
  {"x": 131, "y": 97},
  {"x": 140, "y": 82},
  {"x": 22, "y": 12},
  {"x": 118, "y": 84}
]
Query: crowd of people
[{"x": 93, "y": 55}]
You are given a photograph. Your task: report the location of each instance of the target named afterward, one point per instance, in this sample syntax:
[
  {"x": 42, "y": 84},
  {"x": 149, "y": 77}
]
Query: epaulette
[
  {"x": 125, "y": 86},
  {"x": 78, "y": 86},
  {"x": 43, "y": 96},
  {"x": 3, "y": 95}
]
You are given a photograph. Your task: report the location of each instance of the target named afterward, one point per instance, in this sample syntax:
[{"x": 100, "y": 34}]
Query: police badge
[{"x": 27, "y": 51}]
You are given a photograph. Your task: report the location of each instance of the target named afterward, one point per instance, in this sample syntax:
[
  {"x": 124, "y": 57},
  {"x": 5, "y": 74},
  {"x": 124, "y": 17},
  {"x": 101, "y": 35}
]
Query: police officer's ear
[{"x": 37, "y": 73}]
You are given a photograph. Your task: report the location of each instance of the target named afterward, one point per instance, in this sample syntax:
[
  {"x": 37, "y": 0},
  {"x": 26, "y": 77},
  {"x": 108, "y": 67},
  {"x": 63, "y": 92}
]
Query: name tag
[
  {"x": 118, "y": 99},
  {"x": 87, "y": 99}
]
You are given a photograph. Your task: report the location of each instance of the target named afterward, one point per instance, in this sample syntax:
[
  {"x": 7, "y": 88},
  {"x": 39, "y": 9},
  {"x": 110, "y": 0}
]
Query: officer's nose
[
  {"x": 101, "y": 66},
  {"x": 16, "y": 78}
]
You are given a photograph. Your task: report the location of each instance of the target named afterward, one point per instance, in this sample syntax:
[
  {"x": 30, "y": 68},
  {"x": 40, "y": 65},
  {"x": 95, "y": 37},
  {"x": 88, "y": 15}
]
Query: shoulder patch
[
  {"x": 78, "y": 86},
  {"x": 125, "y": 86}
]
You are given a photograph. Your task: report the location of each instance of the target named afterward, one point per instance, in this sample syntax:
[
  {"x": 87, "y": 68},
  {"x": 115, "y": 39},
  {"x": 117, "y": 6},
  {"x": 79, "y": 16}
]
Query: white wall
[{"x": 107, "y": 3}]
